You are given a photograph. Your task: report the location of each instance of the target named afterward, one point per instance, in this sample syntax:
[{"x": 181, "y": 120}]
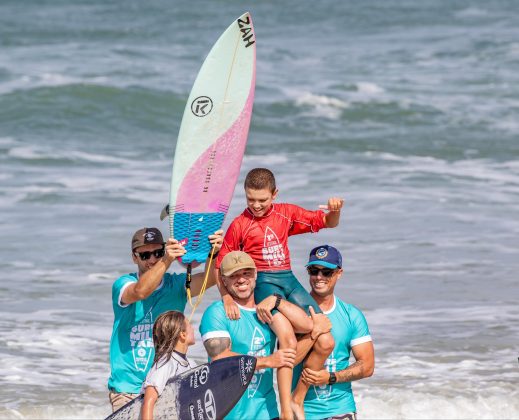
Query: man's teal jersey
[
  {"x": 131, "y": 345},
  {"x": 248, "y": 336},
  {"x": 349, "y": 328}
]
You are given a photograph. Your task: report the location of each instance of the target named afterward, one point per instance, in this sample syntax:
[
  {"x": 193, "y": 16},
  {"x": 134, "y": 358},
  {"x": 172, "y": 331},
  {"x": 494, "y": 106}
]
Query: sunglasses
[
  {"x": 146, "y": 255},
  {"x": 325, "y": 272}
]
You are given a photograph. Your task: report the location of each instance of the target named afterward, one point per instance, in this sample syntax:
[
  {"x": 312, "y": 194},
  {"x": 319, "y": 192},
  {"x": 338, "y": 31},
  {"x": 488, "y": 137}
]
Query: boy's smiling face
[{"x": 260, "y": 201}]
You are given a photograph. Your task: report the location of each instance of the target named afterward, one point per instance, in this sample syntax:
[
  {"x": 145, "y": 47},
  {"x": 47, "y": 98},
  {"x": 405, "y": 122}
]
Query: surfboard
[
  {"x": 212, "y": 140},
  {"x": 208, "y": 392}
]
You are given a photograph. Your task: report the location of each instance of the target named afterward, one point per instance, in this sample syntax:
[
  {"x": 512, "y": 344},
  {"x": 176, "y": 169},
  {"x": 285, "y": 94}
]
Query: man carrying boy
[
  {"x": 223, "y": 337},
  {"x": 137, "y": 300},
  {"x": 262, "y": 231},
  {"x": 330, "y": 395}
]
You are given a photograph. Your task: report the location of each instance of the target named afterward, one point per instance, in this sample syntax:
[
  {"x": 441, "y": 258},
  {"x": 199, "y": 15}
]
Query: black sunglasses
[
  {"x": 325, "y": 272},
  {"x": 146, "y": 255}
]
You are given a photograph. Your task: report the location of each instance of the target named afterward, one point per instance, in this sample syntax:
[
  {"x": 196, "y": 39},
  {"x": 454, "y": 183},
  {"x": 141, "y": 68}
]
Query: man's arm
[
  {"x": 363, "y": 367},
  {"x": 220, "y": 347},
  {"x": 151, "y": 279}
]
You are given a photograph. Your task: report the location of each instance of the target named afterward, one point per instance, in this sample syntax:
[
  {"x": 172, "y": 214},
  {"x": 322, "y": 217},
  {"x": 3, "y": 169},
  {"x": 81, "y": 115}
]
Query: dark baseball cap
[
  {"x": 146, "y": 236},
  {"x": 326, "y": 256}
]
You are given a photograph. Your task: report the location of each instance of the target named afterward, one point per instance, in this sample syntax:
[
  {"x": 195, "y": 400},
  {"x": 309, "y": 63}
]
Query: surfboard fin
[{"x": 165, "y": 212}]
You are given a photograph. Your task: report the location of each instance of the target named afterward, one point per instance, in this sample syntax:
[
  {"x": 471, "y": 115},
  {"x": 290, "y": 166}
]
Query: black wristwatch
[
  {"x": 332, "y": 379},
  {"x": 278, "y": 300}
]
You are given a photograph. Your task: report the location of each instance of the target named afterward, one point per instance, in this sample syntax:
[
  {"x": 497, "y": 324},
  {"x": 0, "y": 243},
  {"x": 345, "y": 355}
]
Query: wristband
[
  {"x": 278, "y": 300},
  {"x": 332, "y": 379}
]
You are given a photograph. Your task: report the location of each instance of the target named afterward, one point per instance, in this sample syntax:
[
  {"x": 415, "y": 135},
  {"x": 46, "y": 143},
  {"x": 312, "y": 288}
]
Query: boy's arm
[
  {"x": 231, "y": 242},
  {"x": 334, "y": 206}
]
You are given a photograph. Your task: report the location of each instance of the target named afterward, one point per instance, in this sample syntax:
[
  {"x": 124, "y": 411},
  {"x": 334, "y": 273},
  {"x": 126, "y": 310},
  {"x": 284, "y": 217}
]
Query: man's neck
[
  {"x": 246, "y": 303},
  {"x": 324, "y": 302}
]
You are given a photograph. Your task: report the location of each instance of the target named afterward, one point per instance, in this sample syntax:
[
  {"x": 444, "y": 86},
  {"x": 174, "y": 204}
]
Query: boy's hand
[
  {"x": 231, "y": 308},
  {"x": 334, "y": 204},
  {"x": 263, "y": 309},
  {"x": 322, "y": 324},
  {"x": 216, "y": 240}
]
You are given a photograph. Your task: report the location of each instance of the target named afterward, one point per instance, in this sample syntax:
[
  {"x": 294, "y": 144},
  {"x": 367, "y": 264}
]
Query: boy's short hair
[{"x": 259, "y": 179}]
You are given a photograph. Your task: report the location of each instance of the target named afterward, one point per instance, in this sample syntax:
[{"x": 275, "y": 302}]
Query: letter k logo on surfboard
[{"x": 212, "y": 139}]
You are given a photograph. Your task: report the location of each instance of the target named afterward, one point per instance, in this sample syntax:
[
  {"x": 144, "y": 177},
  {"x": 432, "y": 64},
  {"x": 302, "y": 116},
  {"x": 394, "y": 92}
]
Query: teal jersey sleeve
[
  {"x": 359, "y": 327},
  {"x": 118, "y": 288},
  {"x": 214, "y": 322}
]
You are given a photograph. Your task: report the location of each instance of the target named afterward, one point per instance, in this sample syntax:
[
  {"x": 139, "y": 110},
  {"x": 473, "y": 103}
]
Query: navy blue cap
[{"x": 326, "y": 256}]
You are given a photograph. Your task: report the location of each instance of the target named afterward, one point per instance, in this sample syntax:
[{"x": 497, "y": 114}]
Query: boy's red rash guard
[{"x": 265, "y": 238}]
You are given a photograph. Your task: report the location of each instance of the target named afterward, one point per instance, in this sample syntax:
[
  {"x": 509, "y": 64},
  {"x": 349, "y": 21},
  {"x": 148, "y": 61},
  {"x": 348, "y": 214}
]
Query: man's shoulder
[
  {"x": 346, "y": 307},
  {"x": 122, "y": 280},
  {"x": 214, "y": 311},
  {"x": 216, "y": 306}
]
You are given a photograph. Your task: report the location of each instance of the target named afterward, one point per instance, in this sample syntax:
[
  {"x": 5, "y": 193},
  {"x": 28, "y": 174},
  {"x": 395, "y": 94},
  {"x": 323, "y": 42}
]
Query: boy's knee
[
  {"x": 325, "y": 343},
  {"x": 287, "y": 340}
]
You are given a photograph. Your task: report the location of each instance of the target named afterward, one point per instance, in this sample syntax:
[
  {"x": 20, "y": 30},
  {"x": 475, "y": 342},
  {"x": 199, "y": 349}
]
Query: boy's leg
[
  {"x": 315, "y": 361},
  {"x": 287, "y": 339},
  {"x": 318, "y": 354}
]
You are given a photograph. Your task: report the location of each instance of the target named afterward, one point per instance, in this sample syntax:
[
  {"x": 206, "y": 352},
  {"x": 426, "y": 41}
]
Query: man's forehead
[
  {"x": 148, "y": 247},
  {"x": 241, "y": 271}
]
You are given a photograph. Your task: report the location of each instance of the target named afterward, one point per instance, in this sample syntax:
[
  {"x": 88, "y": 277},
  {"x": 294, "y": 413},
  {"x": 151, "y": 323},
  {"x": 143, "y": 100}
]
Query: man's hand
[
  {"x": 334, "y": 204},
  {"x": 264, "y": 307},
  {"x": 231, "y": 308},
  {"x": 173, "y": 250},
  {"x": 216, "y": 240},
  {"x": 282, "y": 358},
  {"x": 315, "y": 377},
  {"x": 322, "y": 324}
]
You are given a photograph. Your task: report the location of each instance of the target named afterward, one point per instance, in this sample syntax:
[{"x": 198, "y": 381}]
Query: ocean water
[{"x": 408, "y": 109}]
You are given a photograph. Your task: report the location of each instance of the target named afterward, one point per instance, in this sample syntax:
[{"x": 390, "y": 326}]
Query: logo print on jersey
[
  {"x": 322, "y": 392},
  {"x": 257, "y": 349},
  {"x": 141, "y": 341},
  {"x": 272, "y": 249}
]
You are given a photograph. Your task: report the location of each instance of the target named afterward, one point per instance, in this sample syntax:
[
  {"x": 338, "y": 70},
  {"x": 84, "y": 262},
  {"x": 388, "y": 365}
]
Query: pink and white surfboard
[{"x": 212, "y": 139}]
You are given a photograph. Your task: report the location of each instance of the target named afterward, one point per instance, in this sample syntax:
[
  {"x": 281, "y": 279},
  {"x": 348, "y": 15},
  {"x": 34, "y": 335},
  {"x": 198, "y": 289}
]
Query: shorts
[
  {"x": 119, "y": 399},
  {"x": 345, "y": 416},
  {"x": 284, "y": 283}
]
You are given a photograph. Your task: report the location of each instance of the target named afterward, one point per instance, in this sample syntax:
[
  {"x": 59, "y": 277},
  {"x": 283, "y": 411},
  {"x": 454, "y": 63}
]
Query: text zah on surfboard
[{"x": 212, "y": 139}]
